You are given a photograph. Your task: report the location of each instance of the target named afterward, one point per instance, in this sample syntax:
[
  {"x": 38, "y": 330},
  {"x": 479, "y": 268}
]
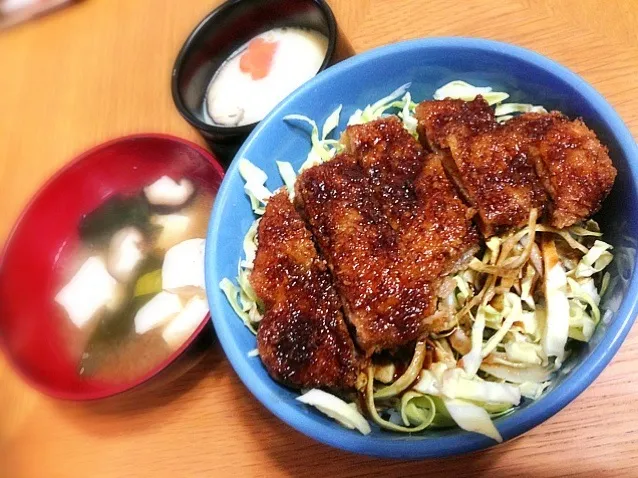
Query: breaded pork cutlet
[
  {"x": 572, "y": 164},
  {"x": 536, "y": 160},
  {"x": 436, "y": 118},
  {"x": 497, "y": 177},
  {"x": 434, "y": 228},
  {"x": 444, "y": 224},
  {"x": 361, "y": 249},
  {"x": 487, "y": 163},
  {"x": 303, "y": 340},
  {"x": 392, "y": 159}
]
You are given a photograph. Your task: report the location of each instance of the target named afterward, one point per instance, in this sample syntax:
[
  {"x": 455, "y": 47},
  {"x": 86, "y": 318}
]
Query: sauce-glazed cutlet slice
[
  {"x": 445, "y": 223},
  {"x": 392, "y": 159},
  {"x": 303, "y": 339},
  {"x": 488, "y": 164},
  {"x": 361, "y": 249},
  {"x": 497, "y": 177},
  {"x": 434, "y": 227},
  {"x": 573, "y": 165},
  {"x": 436, "y": 118}
]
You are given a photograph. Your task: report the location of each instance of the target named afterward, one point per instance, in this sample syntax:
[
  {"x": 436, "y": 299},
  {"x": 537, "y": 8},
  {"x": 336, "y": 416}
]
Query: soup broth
[{"x": 125, "y": 246}]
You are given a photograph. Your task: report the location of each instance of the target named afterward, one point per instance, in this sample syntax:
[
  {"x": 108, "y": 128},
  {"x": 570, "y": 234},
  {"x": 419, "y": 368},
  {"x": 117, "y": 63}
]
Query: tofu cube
[
  {"x": 168, "y": 192},
  {"x": 174, "y": 229},
  {"x": 157, "y": 311},
  {"x": 90, "y": 289},
  {"x": 125, "y": 253},
  {"x": 183, "y": 268},
  {"x": 185, "y": 323}
]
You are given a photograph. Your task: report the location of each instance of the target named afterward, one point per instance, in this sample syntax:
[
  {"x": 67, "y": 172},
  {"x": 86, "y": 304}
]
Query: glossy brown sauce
[
  {"x": 362, "y": 250},
  {"x": 302, "y": 339}
]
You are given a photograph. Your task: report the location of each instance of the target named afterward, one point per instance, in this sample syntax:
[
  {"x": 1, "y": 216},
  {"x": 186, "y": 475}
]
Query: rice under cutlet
[
  {"x": 496, "y": 176},
  {"x": 303, "y": 339},
  {"x": 434, "y": 227},
  {"x": 572, "y": 164},
  {"x": 437, "y": 117},
  {"x": 361, "y": 249}
]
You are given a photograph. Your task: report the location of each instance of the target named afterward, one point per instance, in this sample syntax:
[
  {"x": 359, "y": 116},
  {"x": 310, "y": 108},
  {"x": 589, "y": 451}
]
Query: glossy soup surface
[{"x": 107, "y": 347}]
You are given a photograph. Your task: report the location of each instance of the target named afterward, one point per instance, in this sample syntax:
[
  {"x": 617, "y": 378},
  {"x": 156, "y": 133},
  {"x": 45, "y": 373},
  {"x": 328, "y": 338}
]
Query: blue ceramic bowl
[{"x": 427, "y": 64}]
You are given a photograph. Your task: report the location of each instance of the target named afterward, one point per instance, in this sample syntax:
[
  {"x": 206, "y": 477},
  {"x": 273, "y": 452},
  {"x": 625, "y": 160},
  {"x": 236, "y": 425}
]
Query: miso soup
[{"x": 134, "y": 291}]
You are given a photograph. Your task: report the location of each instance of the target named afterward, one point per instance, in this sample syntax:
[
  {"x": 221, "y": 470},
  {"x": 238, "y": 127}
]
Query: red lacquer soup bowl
[{"x": 32, "y": 324}]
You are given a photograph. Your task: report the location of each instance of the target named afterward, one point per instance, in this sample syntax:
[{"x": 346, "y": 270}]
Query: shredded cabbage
[
  {"x": 503, "y": 111},
  {"x": 288, "y": 175},
  {"x": 242, "y": 297},
  {"x": 533, "y": 390},
  {"x": 255, "y": 185},
  {"x": 524, "y": 352},
  {"x": 444, "y": 353},
  {"x": 411, "y": 373},
  {"x": 417, "y": 410},
  {"x": 557, "y": 312},
  {"x": 456, "y": 385},
  {"x": 472, "y": 360},
  {"x": 526, "y": 286},
  {"x": 322, "y": 149},
  {"x": 513, "y": 315},
  {"x": 581, "y": 324},
  {"x": 472, "y": 418},
  {"x": 530, "y": 322},
  {"x": 407, "y": 114},
  {"x": 442, "y": 381},
  {"x": 331, "y": 123},
  {"x": 428, "y": 384},
  {"x": 232, "y": 292},
  {"x": 509, "y": 108},
  {"x": 247, "y": 297},
  {"x": 389, "y": 424},
  {"x": 250, "y": 246},
  {"x": 586, "y": 293},
  {"x": 584, "y": 313},
  {"x": 463, "y": 285},
  {"x": 535, "y": 373},
  {"x": 464, "y": 91},
  {"x": 378, "y": 108},
  {"x": 504, "y": 118},
  {"x": 596, "y": 259},
  {"x": 337, "y": 409}
]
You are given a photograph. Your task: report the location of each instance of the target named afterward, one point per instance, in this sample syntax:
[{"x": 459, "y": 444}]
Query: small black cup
[{"x": 220, "y": 34}]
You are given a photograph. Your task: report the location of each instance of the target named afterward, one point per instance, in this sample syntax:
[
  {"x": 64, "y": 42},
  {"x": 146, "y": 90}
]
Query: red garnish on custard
[{"x": 257, "y": 59}]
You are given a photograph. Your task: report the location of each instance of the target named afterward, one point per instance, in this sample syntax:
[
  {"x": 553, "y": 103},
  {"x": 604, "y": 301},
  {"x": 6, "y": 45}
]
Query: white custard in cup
[{"x": 261, "y": 73}]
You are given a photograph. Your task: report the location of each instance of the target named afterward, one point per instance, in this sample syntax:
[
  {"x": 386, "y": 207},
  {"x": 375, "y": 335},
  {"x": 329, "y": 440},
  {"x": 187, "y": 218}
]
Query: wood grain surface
[{"x": 102, "y": 69}]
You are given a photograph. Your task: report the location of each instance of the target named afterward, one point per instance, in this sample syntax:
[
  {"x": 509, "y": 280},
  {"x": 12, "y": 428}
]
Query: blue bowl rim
[{"x": 461, "y": 442}]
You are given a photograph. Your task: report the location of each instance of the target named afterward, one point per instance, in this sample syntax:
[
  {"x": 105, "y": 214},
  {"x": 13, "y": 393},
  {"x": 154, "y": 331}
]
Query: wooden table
[{"x": 102, "y": 69}]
